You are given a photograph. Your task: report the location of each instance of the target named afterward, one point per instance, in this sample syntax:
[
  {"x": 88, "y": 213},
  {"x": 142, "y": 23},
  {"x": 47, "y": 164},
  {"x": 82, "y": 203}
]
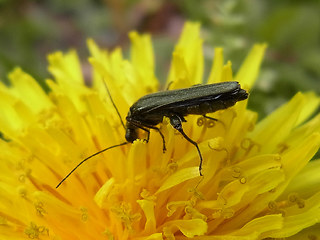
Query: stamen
[
  {"x": 247, "y": 144},
  {"x": 200, "y": 121},
  {"x": 40, "y": 209},
  {"x": 34, "y": 231}
]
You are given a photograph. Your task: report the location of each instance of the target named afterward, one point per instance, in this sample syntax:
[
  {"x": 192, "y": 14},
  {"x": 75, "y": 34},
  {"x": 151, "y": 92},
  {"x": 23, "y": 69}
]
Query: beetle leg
[
  {"x": 148, "y": 133},
  {"x": 145, "y": 128},
  {"x": 148, "y": 136},
  {"x": 162, "y": 136},
  {"x": 176, "y": 123},
  {"x": 211, "y": 118},
  {"x": 182, "y": 119}
]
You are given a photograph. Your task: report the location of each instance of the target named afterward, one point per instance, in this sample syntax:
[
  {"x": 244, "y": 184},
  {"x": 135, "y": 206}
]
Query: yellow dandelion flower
[{"x": 257, "y": 179}]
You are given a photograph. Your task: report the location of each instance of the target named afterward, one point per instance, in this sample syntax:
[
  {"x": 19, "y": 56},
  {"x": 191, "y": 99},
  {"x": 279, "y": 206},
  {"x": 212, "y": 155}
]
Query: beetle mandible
[{"x": 148, "y": 111}]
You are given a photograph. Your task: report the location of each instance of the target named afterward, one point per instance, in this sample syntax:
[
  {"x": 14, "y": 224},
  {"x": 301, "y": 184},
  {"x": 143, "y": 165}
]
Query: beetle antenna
[
  {"x": 114, "y": 105},
  {"x": 101, "y": 151}
]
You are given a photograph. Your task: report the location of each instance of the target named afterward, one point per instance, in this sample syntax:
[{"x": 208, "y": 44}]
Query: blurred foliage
[{"x": 29, "y": 30}]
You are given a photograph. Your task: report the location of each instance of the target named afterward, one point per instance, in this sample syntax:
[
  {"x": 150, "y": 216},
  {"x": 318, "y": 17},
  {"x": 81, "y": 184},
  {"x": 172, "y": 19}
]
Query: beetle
[{"x": 148, "y": 111}]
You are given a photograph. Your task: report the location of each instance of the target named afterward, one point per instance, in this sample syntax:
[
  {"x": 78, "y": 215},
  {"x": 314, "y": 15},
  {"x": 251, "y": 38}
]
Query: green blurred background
[{"x": 29, "y": 30}]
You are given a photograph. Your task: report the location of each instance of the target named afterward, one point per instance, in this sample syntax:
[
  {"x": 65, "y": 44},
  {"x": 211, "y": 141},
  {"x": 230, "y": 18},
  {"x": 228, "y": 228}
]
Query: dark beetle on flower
[{"x": 149, "y": 110}]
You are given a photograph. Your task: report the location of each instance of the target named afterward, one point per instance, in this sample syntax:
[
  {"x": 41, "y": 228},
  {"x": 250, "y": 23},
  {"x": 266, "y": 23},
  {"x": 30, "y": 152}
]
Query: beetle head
[{"x": 131, "y": 132}]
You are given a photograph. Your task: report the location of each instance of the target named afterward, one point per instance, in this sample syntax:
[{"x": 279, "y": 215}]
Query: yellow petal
[
  {"x": 250, "y": 67},
  {"x": 232, "y": 193},
  {"x": 227, "y": 73},
  {"x": 154, "y": 236},
  {"x": 258, "y": 226},
  {"x": 275, "y": 128},
  {"x": 26, "y": 87},
  {"x": 308, "y": 233},
  {"x": 189, "y": 228},
  {"x": 142, "y": 57},
  {"x": 179, "y": 177},
  {"x": 296, "y": 159},
  {"x": 217, "y": 65},
  {"x": 312, "y": 103},
  {"x": 101, "y": 196},
  {"x": 148, "y": 208},
  {"x": 187, "y": 63},
  {"x": 306, "y": 217},
  {"x": 307, "y": 182},
  {"x": 66, "y": 68}
]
